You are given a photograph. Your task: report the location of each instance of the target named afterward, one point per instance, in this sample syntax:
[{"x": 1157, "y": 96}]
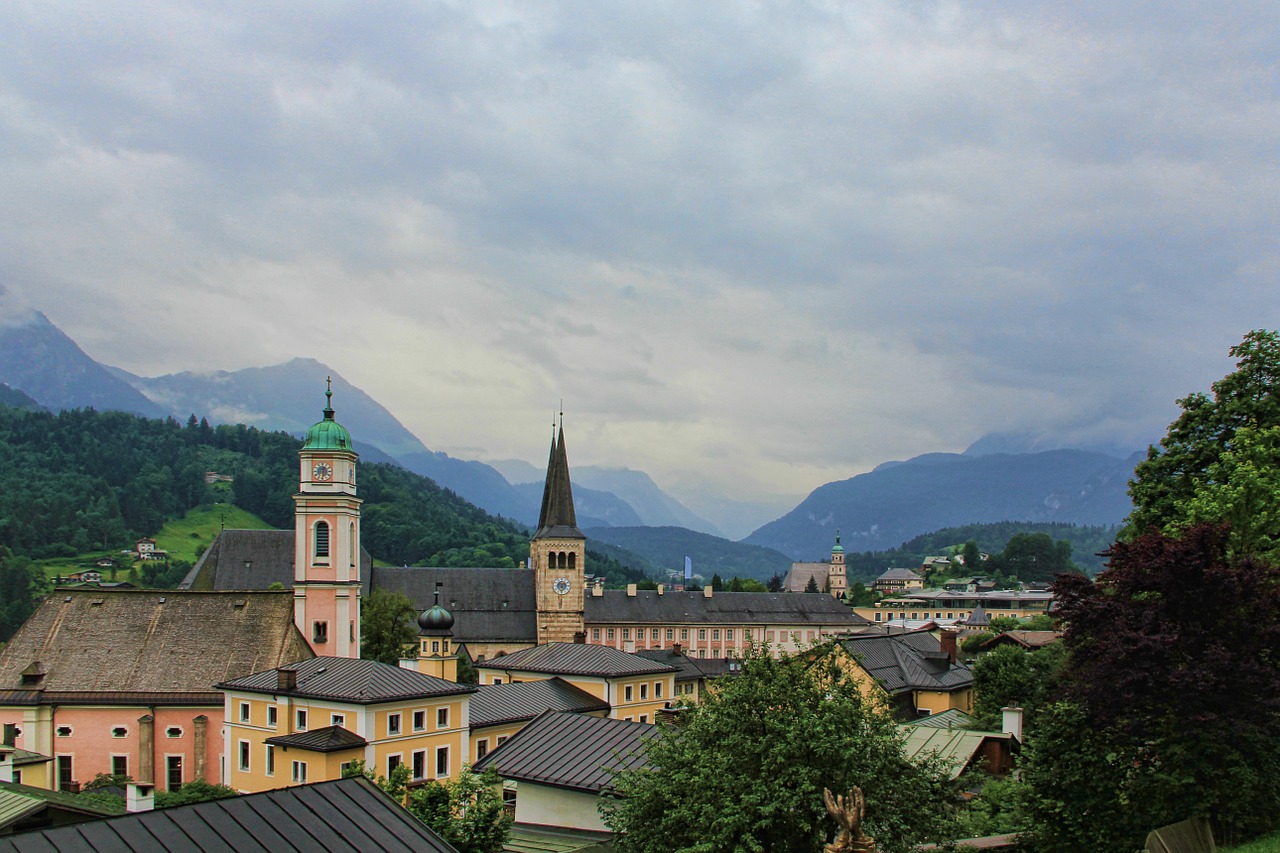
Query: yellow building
[
  {"x": 635, "y": 688},
  {"x": 499, "y": 711},
  {"x": 958, "y": 605},
  {"x": 308, "y": 721},
  {"x": 916, "y": 673}
]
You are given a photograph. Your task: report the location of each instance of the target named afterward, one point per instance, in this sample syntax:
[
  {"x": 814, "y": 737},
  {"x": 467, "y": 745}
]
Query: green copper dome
[
  {"x": 328, "y": 434},
  {"x": 837, "y": 548}
]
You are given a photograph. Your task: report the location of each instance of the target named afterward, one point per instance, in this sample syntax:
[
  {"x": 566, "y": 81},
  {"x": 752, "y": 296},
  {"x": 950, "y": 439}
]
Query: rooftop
[
  {"x": 362, "y": 682},
  {"x": 616, "y": 606},
  {"x": 327, "y": 739},
  {"x": 576, "y": 659},
  {"x": 494, "y": 704},
  {"x": 912, "y": 661}
]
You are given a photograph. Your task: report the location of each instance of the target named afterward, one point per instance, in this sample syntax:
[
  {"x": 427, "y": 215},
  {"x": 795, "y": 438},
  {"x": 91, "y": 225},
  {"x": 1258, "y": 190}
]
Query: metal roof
[
  {"x": 252, "y": 559},
  {"x": 496, "y": 605},
  {"x": 327, "y": 739},
  {"x": 575, "y": 659},
  {"x": 344, "y": 816},
  {"x": 686, "y": 668},
  {"x": 200, "y": 699},
  {"x": 493, "y": 704},
  {"x": 952, "y": 718},
  {"x": 19, "y": 801},
  {"x": 571, "y": 751},
  {"x": 363, "y": 682},
  {"x": 913, "y": 661},
  {"x": 956, "y": 747},
  {"x": 647, "y": 607}
]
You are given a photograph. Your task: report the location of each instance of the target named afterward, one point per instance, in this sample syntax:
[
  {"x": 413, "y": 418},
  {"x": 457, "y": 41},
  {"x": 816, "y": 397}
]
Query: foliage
[
  {"x": 1240, "y": 488},
  {"x": 971, "y": 556},
  {"x": 197, "y": 791},
  {"x": 387, "y": 626},
  {"x": 1012, "y": 676},
  {"x": 970, "y": 644},
  {"x": 999, "y": 808},
  {"x": 739, "y": 584},
  {"x": 19, "y": 580},
  {"x": 107, "y": 780},
  {"x": 775, "y": 583},
  {"x": 1172, "y": 488},
  {"x": 745, "y": 770},
  {"x": 1173, "y": 661},
  {"x": 859, "y": 596},
  {"x": 1033, "y": 557},
  {"x": 812, "y": 585},
  {"x": 716, "y": 583},
  {"x": 467, "y": 812}
]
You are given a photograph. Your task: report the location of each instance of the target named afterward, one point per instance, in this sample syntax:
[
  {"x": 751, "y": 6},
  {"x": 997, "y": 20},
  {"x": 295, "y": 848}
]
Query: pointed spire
[
  {"x": 328, "y": 398},
  {"x": 558, "y": 517}
]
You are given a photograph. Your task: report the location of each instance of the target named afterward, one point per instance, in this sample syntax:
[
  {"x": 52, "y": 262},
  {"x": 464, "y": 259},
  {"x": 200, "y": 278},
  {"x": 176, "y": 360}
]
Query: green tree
[
  {"x": 1011, "y": 676},
  {"x": 775, "y": 583},
  {"x": 196, "y": 791},
  {"x": 467, "y": 812},
  {"x": 1241, "y": 488},
  {"x": 812, "y": 585},
  {"x": 1169, "y": 486},
  {"x": 716, "y": 583},
  {"x": 745, "y": 769},
  {"x": 971, "y": 556},
  {"x": 387, "y": 626},
  {"x": 1034, "y": 557}
]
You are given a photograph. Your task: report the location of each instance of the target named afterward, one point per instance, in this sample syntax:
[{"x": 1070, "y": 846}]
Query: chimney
[
  {"x": 1012, "y": 723},
  {"x": 631, "y": 590},
  {"x": 677, "y": 648},
  {"x": 661, "y": 589},
  {"x": 948, "y": 640},
  {"x": 580, "y": 638},
  {"x": 139, "y": 796},
  {"x": 707, "y": 591},
  {"x": 597, "y": 590},
  {"x": 286, "y": 679}
]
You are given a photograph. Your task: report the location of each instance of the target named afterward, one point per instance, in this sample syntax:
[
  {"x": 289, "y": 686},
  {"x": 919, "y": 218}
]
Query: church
[{"x": 497, "y": 611}]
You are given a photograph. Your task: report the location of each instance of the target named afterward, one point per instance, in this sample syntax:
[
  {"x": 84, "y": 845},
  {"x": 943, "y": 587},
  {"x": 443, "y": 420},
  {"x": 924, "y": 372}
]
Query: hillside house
[
  {"x": 916, "y": 673},
  {"x": 893, "y": 581}
]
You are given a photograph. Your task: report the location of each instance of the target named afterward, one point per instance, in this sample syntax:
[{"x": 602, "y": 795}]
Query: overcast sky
[{"x": 755, "y": 246}]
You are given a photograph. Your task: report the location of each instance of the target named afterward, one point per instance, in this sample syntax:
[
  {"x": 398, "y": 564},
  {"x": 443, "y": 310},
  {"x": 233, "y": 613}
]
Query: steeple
[{"x": 558, "y": 518}]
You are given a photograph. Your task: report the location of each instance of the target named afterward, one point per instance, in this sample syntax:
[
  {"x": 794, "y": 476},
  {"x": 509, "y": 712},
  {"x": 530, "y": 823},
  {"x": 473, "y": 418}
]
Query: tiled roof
[
  {"x": 363, "y": 682},
  {"x": 344, "y": 816},
  {"x": 1026, "y": 639},
  {"x": 912, "y": 661},
  {"x": 251, "y": 559},
  {"x": 575, "y": 659},
  {"x": 647, "y": 607},
  {"x": 571, "y": 751},
  {"x": 899, "y": 575},
  {"x": 493, "y": 704},
  {"x": 117, "y": 645},
  {"x": 328, "y": 739},
  {"x": 487, "y": 604}
]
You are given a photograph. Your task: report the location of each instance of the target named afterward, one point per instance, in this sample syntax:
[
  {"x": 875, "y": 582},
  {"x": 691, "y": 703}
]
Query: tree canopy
[
  {"x": 387, "y": 626},
  {"x": 745, "y": 770}
]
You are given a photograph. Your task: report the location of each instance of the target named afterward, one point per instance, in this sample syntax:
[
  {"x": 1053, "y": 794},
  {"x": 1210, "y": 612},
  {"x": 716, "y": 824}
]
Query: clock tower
[
  {"x": 557, "y": 555},
  {"x": 326, "y": 562}
]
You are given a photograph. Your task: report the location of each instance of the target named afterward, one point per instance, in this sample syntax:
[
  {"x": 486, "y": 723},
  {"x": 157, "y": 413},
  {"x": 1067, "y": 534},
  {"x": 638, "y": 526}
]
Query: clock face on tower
[
  {"x": 561, "y": 586},
  {"x": 323, "y": 471}
]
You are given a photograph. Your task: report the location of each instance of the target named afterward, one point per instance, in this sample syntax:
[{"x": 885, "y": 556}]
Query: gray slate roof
[
  {"x": 494, "y": 704},
  {"x": 487, "y": 604},
  {"x": 252, "y": 559},
  {"x": 571, "y": 751},
  {"x": 327, "y": 739},
  {"x": 117, "y": 646},
  {"x": 724, "y": 608},
  {"x": 575, "y": 659},
  {"x": 363, "y": 682},
  {"x": 687, "y": 668},
  {"x": 345, "y": 816},
  {"x": 913, "y": 661}
]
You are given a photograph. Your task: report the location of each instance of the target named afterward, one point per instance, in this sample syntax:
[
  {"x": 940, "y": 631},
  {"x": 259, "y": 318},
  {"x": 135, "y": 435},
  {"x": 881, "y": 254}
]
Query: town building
[
  {"x": 893, "y": 581},
  {"x": 499, "y": 711},
  {"x": 916, "y": 673},
  {"x": 829, "y": 577},
  {"x": 948, "y": 604}
]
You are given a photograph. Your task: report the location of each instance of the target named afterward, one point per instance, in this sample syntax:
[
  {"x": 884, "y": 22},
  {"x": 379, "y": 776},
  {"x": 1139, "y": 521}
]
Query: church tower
[
  {"x": 326, "y": 560},
  {"x": 557, "y": 555},
  {"x": 837, "y": 580}
]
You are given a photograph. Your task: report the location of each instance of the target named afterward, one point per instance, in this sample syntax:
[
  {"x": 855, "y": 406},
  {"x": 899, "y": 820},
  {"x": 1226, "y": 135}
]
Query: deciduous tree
[{"x": 386, "y": 626}]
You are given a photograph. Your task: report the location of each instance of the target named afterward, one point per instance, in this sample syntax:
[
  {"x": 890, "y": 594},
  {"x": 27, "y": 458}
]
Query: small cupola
[
  {"x": 435, "y": 620},
  {"x": 328, "y": 434}
]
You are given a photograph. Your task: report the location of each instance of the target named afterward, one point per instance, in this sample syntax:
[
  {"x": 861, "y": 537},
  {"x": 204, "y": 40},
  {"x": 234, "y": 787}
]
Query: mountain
[
  {"x": 16, "y": 399},
  {"x": 593, "y": 508},
  {"x": 1022, "y": 442},
  {"x": 898, "y": 500},
  {"x": 666, "y": 547},
  {"x": 37, "y": 359}
]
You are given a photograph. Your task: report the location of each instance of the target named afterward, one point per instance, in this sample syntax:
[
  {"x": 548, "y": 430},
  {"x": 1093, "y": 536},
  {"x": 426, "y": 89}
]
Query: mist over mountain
[
  {"x": 898, "y": 500},
  {"x": 593, "y": 508},
  {"x": 37, "y": 359},
  {"x": 1021, "y": 442},
  {"x": 666, "y": 548}
]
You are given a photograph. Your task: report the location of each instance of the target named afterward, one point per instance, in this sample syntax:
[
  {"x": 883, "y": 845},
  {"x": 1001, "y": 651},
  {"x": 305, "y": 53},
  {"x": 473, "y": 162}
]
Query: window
[
  {"x": 644, "y": 718},
  {"x": 728, "y": 633},
  {"x": 173, "y": 731},
  {"x": 300, "y": 720},
  {"x": 419, "y": 764},
  {"x": 501, "y": 740},
  {"x": 64, "y": 731},
  {"x": 322, "y": 538},
  {"x": 628, "y": 719},
  {"x": 299, "y": 774},
  {"x": 442, "y": 762},
  {"x": 419, "y": 720},
  {"x": 877, "y": 619},
  {"x": 653, "y": 635},
  {"x": 644, "y": 691},
  {"x": 393, "y": 761},
  {"x": 271, "y": 760},
  {"x": 497, "y": 679},
  {"x": 244, "y": 756},
  {"x": 173, "y": 772},
  {"x": 119, "y": 765},
  {"x": 442, "y": 718},
  {"x": 627, "y": 691},
  {"x": 393, "y": 724},
  {"x": 64, "y": 773},
  {"x": 244, "y": 712},
  {"x": 684, "y": 633},
  {"x": 595, "y": 633},
  {"x": 657, "y": 690},
  {"x": 120, "y": 731},
  {"x": 337, "y": 719},
  {"x": 271, "y": 716},
  {"x": 702, "y": 633},
  {"x": 610, "y": 634},
  {"x": 626, "y": 633},
  {"x": 671, "y": 633},
  {"x": 773, "y": 634},
  {"x": 319, "y": 632},
  {"x": 482, "y": 748}
]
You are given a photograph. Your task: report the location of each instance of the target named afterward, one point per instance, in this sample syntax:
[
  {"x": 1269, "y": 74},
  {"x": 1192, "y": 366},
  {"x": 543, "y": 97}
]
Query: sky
[{"x": 753, "y": 246}]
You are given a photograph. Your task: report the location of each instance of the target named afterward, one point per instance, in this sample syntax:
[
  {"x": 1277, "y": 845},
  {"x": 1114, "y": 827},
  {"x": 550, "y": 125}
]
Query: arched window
[
  {"x": 563, "y": 560},
  {"x": 322, "y": 538},
  {"x": 351, "y": 546},
  {"x": 573, "y": 560}
]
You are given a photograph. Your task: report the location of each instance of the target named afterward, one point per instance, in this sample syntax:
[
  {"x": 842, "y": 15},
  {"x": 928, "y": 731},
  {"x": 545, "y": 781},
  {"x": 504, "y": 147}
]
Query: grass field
[
  {"x": 199, "y": 526},
  {"x": 1266, "y": 844}
]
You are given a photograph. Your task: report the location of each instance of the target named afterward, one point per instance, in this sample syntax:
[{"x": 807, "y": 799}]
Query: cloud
[{"x": 758, "y": 247}]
